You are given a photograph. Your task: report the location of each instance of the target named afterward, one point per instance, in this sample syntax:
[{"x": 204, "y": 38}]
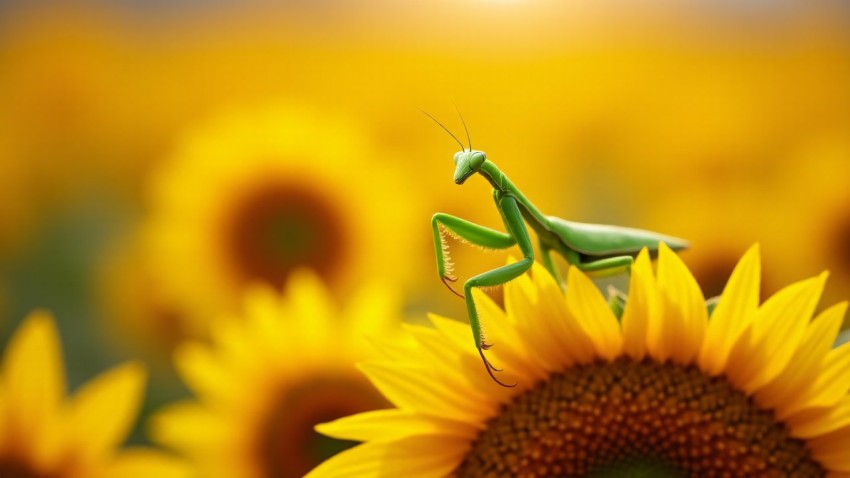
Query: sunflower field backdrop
[{"x": 211, "y": 211}]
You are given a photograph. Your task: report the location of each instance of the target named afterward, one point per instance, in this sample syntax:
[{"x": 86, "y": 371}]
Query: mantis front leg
[
  {"x": 516, "y": 229},
  {"x": 466, "y": 231}
]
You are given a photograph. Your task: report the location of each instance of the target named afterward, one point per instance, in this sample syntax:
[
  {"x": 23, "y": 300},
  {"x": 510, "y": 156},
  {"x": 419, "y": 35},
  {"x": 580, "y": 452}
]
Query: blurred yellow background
[{"x": 134, "y": 136}]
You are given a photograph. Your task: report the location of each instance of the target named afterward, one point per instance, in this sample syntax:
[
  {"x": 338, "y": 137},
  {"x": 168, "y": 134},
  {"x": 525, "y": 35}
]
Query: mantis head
[{"x": 468, "y": 163}]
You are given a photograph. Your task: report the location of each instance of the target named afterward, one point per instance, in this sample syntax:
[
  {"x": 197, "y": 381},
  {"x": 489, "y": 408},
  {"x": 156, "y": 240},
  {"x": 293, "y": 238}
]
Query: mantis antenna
[
  {"x": 464, "y": 127},
  {"x": 446, "y": 129}
]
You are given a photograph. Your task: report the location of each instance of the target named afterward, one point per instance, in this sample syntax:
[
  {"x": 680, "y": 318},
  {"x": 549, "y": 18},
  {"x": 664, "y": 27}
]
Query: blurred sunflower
[
  {"x": 813, "y": 194},
  {"x": 44, "y": 436},
  {"x": 134, "y": 312},
  {"x": 254, "y": 195},
  {"x": 270, "y": 375},
  {"x": 757, "y": 391}
]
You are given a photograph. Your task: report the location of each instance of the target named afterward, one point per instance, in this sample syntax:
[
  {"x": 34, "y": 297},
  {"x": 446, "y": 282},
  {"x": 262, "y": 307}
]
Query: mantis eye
[{"x": 477, "y": 160}]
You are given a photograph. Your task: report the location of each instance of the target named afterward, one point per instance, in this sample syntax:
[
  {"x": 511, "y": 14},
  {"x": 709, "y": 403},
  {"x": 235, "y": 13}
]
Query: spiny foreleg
[
  {"x": 516, "y": 229},
  {"x": 467, "y": 232}
]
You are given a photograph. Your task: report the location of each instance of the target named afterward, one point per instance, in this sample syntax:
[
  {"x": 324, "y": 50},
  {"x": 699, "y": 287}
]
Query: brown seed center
[
  {"x": 666, "y": 420},
  {"x": 282, "y": 226},
  {"x": 14, "y": 468},
  {"x": 840, "y": 242}
]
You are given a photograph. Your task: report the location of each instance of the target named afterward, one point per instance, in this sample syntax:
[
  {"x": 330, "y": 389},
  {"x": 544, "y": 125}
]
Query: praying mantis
[{"x": 599, "y": 250}]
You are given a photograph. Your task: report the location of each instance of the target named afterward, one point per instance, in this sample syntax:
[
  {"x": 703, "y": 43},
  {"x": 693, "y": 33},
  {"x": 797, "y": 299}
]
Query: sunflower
[
  {"x": 256, "y": 194},
  {"x": 132, "y": 308},
  {"x": 269, "y": 376},
  {"x": 43, "y": 435},
  {"x": 758, "y": 390}
]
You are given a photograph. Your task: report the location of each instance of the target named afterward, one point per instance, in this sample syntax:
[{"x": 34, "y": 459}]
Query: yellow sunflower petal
[
  {"x": 831, "y": 450},
  {"x": 519, "y": 295},
  {"x": 142, "y": 463},
  {"x": 311, "y": 313},
  {"x": 104, "y": 409},
  {"x": 203, "y": 372},
  {"x": 262, "y": 324},
  {"x": 828, "y": 389},
  {"x": 820, "y": 421},
  {"x": 393, "y": 424},
  {"x": 463, "y": 369},
  {"x": 641, "y": 307},
  {"x": 34, "y": 379},
  {"x": 455, "y": 331},
  {"x": 680, "y": 330},
  {"x": 458, "y": 333},
  {"x": 774, "y": 335},
  {"x": 420, "y": 389},
  {"x": 586, "y": 304},
  {"x": 807, "y": 360},
  {"x": 737, "y": 307},
  {"x": 433, "y": 348},
  {"x": 410, "y": 457},
  {"x": 373, "y": 310},
  {"x": 551, "y": 322},
  {"x": 187, "y": 425}
]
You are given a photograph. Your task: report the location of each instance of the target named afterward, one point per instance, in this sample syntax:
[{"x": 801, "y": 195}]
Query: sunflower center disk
[
  {"x": 288, "y": 446},
  {"x": 280, "y": 227},
  {"x": 630, "y": 418},
  {"x": 11, "y": 468}
]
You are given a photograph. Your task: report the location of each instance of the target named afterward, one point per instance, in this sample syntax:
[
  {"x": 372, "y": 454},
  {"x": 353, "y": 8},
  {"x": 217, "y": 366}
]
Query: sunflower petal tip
[
  {"x": 572, "y": 272},
  {"x": 40, "y": 315},
  {"x": 325, "y": 428},
  {"x": 135, "y": 368},
  {"x": 41, "y": 321},
  {"x": 752, "y": 254},
  {"x": 367, "y": 366}
]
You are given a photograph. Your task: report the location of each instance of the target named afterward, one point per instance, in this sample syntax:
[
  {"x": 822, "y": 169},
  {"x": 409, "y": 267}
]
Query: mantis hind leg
[
  {"x": 549, "y": 264},
  {"x": 607, "y": 267}
]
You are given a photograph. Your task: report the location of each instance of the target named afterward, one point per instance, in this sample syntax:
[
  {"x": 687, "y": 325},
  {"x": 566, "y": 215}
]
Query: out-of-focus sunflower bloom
[
  {"x": 757, "y": 391},
  {"x": 802, "y": 218},
  {"x": 270, "y": 375},
  {"x": 45, "y": 435},
  {"x": 256, "y": 194},
  {"x": 813, "y": 196},
  {"x": 134, "y": 312}
]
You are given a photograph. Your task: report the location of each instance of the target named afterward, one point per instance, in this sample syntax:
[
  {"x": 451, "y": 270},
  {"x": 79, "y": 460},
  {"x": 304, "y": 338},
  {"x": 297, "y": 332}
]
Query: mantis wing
[{"x": 601, "y": 240}]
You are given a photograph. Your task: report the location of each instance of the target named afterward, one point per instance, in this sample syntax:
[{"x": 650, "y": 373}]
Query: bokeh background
[{"x": 156, "y": 158}]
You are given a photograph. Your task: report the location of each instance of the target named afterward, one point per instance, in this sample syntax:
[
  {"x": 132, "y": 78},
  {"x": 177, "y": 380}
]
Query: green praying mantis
[{"x": 599, "y": 250}]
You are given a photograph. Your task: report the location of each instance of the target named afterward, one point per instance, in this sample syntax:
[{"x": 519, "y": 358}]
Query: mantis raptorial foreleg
[
  {"x": 516, "y": 228},
  {"x": 488, "y": 238},
  {"x": 466, "y": 231},
  {"x": 598, "y": 249}
]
